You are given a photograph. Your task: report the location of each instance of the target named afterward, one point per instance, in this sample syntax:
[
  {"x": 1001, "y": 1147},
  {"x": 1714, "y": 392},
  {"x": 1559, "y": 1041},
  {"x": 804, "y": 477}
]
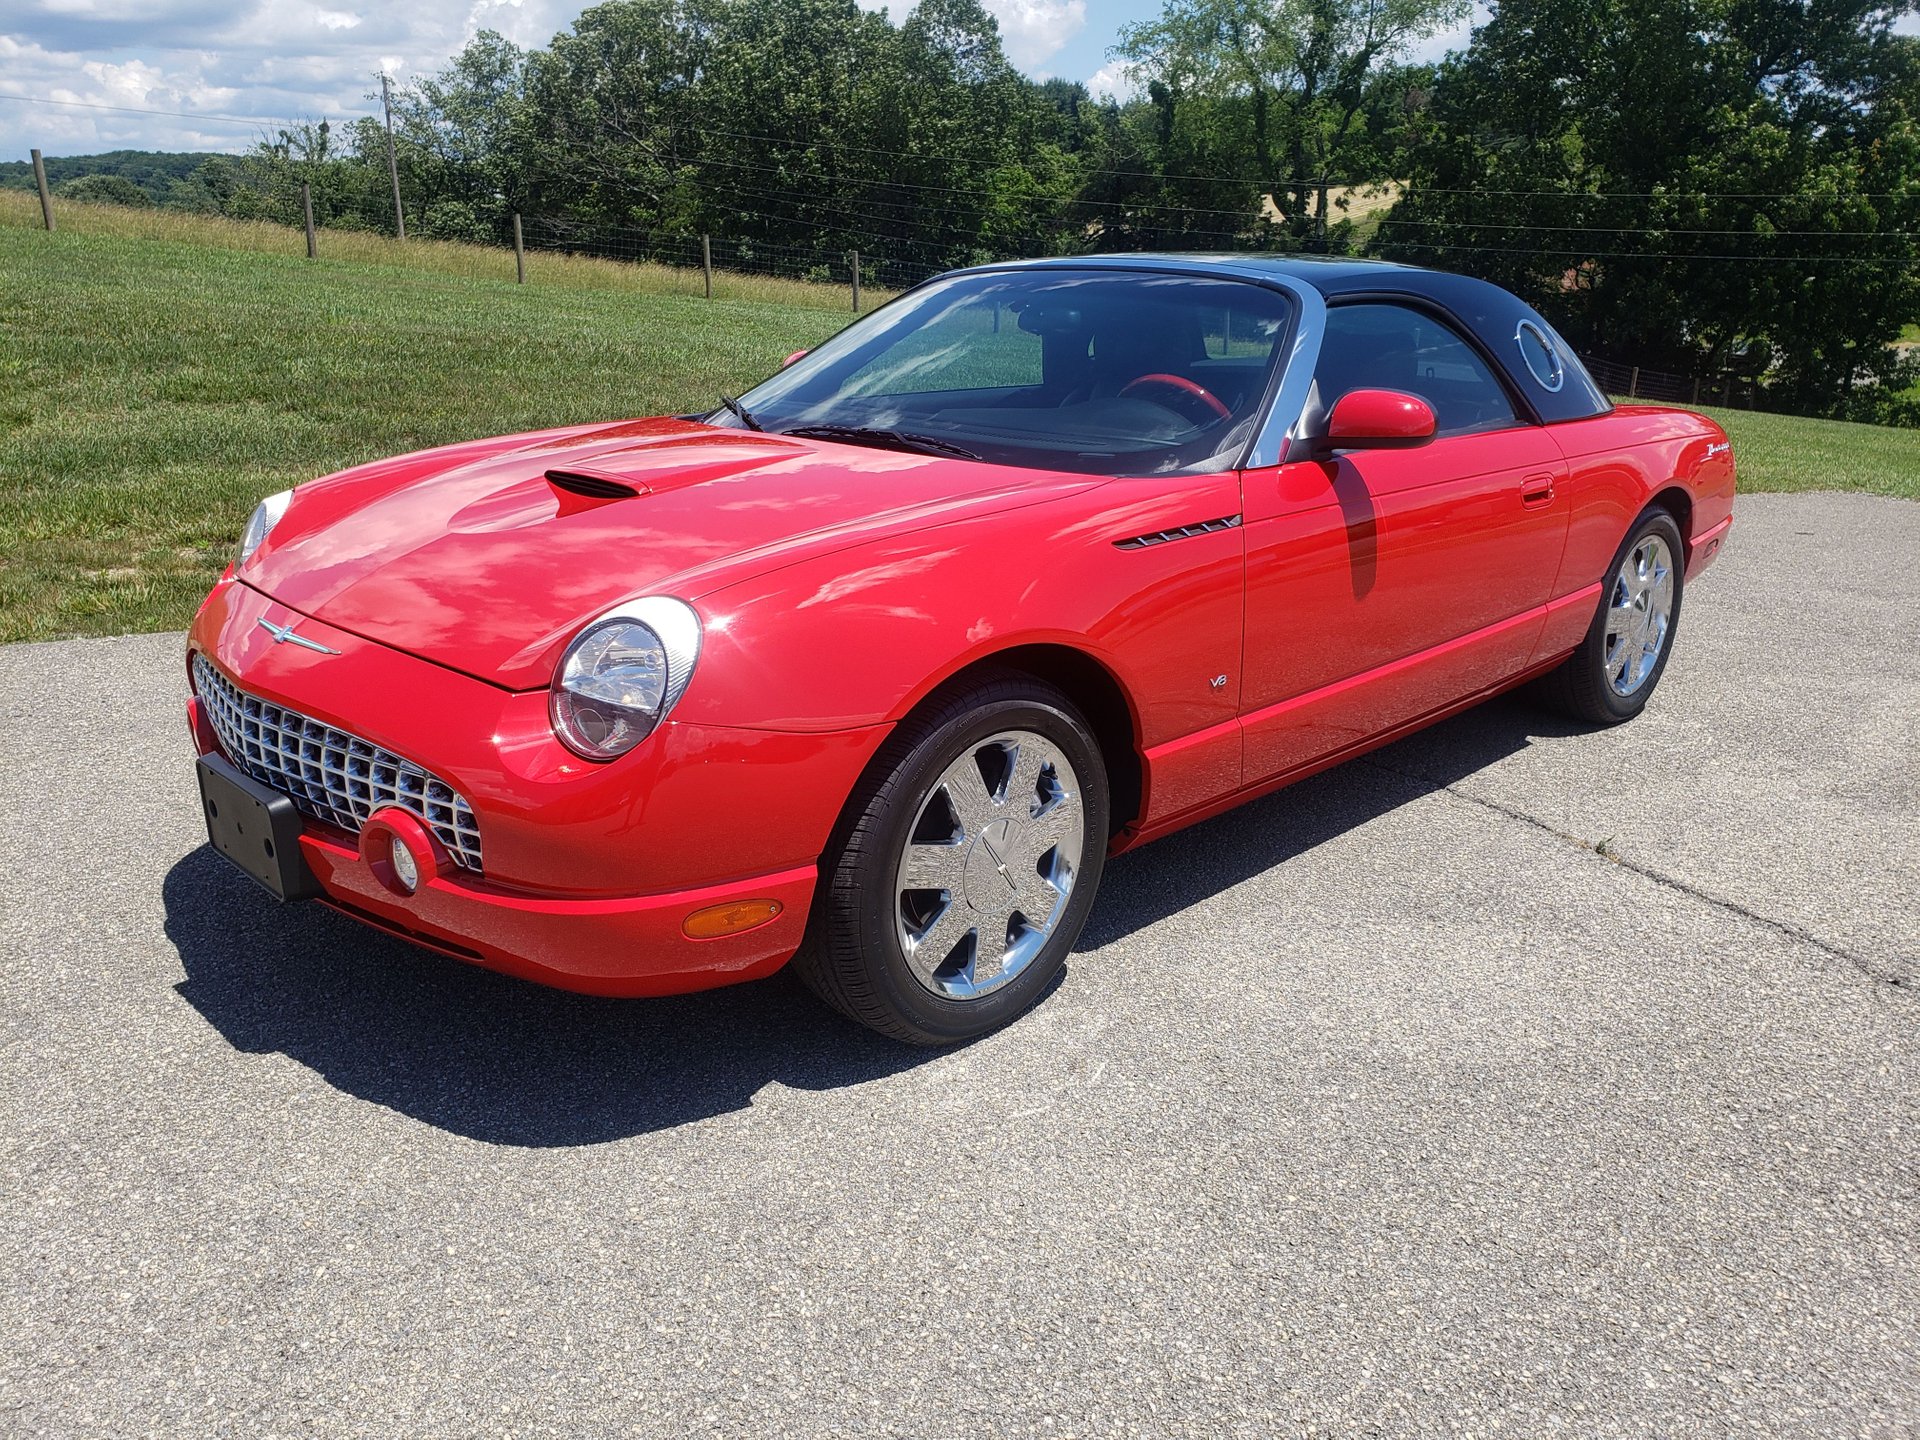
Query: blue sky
[{"x": 285, "y": 59}]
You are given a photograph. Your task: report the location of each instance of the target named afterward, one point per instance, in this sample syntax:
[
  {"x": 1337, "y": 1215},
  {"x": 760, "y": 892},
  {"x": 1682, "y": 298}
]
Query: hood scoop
[{"x": 594, "y": 484}]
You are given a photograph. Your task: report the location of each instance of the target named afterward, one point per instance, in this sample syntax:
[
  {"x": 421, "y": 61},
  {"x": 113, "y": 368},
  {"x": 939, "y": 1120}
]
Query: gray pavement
[{"x": 1389, "y": 1105}]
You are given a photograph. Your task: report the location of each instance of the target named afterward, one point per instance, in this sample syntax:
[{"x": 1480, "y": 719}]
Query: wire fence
[
  {"x": 872, "y": 264},
  {"x": 1638, "y": 382},
  {"x": 880, "y": 265}
]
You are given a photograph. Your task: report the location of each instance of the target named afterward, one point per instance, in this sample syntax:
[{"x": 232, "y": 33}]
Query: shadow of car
[{"x": 507, "y": 1062}]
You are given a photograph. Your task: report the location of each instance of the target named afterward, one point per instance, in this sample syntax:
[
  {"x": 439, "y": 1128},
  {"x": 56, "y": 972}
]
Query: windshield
[{"x": 1107, "y": 372}]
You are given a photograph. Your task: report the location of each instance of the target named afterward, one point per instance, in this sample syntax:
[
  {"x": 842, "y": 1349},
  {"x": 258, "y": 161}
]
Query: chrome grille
[{"x": 330, "y": 774}]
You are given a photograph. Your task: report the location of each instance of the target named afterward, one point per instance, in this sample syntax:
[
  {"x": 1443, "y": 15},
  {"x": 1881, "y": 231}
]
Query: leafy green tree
[
  {"x": 103, "y": 190},
  {"x": 1721, "y": 186},
  {"x": 451, "y": 134},
  {"x": 1699, "y": 185},
  {"x": 1301, "y": 68}
]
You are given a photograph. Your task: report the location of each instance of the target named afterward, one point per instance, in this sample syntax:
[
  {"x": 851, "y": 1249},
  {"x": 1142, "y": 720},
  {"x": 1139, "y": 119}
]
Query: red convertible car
[{"x": 877, "y": 664}]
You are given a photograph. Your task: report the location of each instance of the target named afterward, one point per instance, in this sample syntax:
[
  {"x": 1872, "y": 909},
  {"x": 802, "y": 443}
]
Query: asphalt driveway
[{"x": 1517, "y": 1080}]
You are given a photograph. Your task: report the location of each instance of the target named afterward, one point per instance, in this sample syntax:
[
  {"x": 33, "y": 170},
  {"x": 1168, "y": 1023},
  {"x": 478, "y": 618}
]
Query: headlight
[
  {"x": 622, "y": 674},
  {"x": 265, "y": 516}
]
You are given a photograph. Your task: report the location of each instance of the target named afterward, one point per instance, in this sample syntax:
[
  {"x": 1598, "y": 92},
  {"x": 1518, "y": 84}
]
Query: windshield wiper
[
  {"x": 872, "y": 435},
  {"x": 740, "y": 412}
]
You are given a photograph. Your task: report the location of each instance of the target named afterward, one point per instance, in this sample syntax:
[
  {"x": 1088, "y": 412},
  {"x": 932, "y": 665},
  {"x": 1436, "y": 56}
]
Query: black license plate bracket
[{"x": 255, "y": 827}]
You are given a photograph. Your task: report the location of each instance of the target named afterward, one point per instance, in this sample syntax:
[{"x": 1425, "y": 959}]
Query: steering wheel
[{"x": 1185, "y": 386}]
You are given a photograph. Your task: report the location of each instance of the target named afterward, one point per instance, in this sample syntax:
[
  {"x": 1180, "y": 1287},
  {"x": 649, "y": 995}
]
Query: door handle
[{"x": 1536, "y": 490}]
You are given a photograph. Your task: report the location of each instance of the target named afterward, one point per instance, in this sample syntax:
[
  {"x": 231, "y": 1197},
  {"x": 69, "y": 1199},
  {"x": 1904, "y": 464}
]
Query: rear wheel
[
  {"x": 1612, "y": 675},
  {"x": 954, "y": 894}
]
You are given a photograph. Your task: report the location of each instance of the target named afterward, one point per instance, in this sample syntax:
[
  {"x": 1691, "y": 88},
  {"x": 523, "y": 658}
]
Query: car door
[{"x": 1384, "y": 585}]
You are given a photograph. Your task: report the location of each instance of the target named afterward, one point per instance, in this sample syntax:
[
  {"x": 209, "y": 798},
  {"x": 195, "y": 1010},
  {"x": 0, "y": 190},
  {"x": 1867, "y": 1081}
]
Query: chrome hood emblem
[{"x": 283, "y": 635}]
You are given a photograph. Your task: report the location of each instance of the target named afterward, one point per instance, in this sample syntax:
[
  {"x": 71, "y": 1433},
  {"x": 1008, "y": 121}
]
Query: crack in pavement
[{"x": 1893, "y": 978}]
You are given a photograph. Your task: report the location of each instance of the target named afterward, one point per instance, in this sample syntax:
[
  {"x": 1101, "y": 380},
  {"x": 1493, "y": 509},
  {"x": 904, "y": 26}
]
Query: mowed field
[
  {"x": 159, "y": 374},
  {"x": 152, "y": 389}
]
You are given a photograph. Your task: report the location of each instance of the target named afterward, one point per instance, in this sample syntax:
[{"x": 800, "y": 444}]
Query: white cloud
[
  {"x": 1033, "y": 30},
  {"x": 277, "y": 60},
  {"x": 1113, "y": 81}
]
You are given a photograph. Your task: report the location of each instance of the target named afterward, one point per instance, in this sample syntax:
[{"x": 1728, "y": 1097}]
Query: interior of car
[
  {"x": 1380, "y": 345},
  {"x": 1088, "y": 370}
]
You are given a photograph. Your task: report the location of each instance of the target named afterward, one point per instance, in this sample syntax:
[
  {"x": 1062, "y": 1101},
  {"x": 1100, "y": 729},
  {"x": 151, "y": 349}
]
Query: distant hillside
[{"x": 156, "y": 172}]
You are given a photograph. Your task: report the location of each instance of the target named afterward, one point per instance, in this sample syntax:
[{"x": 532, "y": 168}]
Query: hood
[{"x": 484, "y": 564}]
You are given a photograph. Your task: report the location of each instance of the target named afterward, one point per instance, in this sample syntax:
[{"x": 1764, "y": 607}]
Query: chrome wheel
[
  {"x": 989, "y": 864},
  {"x": 1639, "y": 615}
]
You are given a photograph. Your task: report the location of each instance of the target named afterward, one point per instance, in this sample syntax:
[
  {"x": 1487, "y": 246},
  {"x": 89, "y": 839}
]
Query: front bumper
[
  {"x": 1703, "y": 549},
  {"x": 626, "y": 946},
  {"x": 590, "y": 870}
]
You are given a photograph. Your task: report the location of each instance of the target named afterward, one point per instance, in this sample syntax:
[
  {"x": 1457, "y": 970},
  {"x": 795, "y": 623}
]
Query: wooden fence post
[
  {"x": 306, "y": 213},
  {"x": 1696, "y": 389},
  {"x": 519, "y": 253},
  {"x": 1633, "y": 384},
  {"x": 856, "y": 282},
  {"x": 706, "y": 264},
  {"x": 46, "y": 199}
]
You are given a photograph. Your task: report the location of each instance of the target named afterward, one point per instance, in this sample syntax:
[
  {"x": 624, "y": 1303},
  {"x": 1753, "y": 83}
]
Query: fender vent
[
  {"x": 596, "y": 487},
  {"x": 1184, "y": 532}
]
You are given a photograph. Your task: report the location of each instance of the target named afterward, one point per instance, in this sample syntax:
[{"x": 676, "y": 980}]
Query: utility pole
[{"x": 393, "y": 165}]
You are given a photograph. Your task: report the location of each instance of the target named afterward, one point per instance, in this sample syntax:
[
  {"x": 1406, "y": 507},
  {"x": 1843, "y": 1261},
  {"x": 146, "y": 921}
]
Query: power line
[
  {"x": 1314, "y": 182},
  {"x": 1060, "y": 207},
  {"x": 815, "y": 204},
  {"x": 139, "y": 110},
  {"x": 1249, "y": 212},
  {"x": 860, "y": 209},
  {"x": 1290, "y": 182},
  {"x": 1882, "y": 263},
  {"x": 1656, "y": 228}
]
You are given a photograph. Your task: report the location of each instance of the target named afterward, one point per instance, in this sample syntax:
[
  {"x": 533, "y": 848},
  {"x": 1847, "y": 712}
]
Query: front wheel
[
  {"x": 952, "y": 897},
  {"x": 1612, "y": 675}
]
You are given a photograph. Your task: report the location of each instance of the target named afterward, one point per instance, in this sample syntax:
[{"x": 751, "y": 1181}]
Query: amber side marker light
[{"x": 717, "y": 920}]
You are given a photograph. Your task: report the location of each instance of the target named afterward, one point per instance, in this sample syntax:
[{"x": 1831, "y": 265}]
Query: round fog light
[
  {"x": 402, "y": 853},
  {"x": 405, "y": 868}
]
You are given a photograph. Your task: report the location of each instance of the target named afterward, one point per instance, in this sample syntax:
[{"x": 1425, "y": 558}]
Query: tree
[
  {"x": 103, "y": 190},
  {"x": 1699, "y": 185},
  {"x": 451, "y": 132},
  {"x": 1302, "y": 69}
]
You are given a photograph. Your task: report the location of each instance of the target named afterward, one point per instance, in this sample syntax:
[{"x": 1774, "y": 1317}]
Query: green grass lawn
[
  {"x": 153, "y": 388},
  {"x": 1784, "y": 452}
]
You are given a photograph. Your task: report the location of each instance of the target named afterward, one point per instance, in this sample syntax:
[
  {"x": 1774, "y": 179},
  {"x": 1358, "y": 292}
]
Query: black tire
[
  {"x": 1580, "y": 686},
  {"x": 854, "y": 957}
]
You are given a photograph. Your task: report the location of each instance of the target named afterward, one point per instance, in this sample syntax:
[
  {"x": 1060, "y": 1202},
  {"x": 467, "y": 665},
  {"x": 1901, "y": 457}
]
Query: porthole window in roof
[{"x": 1542, "y": 356}]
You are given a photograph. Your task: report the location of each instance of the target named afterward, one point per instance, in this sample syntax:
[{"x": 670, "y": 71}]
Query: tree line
[{"x": 1713, "y": 187}]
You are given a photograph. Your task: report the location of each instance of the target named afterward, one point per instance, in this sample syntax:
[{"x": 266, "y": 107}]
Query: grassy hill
[
  {"x": 155, "y": 172},
  {"x": 159, "y": 373},
  {"x": 153, "y": 387}
]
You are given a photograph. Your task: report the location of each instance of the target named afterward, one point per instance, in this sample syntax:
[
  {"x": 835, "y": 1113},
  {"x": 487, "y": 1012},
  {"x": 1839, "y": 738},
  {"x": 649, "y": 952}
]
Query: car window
[
  {"x": 1236, "y": 334},
  {"x": 1103, "y": 371},
  {"x": 978, "y": 345},
  {"x": 1381, "y": 346}
]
